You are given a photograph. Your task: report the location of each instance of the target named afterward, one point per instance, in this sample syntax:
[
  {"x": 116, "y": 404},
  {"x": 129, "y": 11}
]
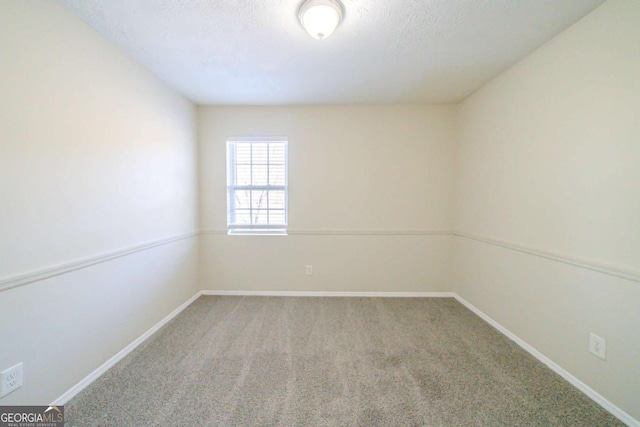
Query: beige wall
[
  {"x": 548, "y": 159},
  {"x": 96, "y": 155},
  {"x": 351, "y": 169}
]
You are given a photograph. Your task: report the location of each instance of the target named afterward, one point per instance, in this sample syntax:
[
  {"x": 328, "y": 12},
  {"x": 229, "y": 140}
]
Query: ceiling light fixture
[{"x": 320, "y": 17}]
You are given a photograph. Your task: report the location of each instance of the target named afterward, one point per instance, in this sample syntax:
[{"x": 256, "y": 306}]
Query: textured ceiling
[{"x": 385, "y": 51}]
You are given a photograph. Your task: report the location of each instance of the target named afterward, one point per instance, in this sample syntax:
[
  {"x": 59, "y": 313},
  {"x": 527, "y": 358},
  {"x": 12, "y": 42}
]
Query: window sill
[{"x": 257, "y": 233}]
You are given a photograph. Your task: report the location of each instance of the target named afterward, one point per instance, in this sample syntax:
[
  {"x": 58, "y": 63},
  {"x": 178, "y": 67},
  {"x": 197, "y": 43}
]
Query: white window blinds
[{"x": 257, "y": 185}]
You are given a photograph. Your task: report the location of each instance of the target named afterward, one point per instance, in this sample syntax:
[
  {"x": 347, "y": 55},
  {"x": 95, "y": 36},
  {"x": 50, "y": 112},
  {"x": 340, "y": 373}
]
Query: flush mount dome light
[{"x": 320, "y": 17}]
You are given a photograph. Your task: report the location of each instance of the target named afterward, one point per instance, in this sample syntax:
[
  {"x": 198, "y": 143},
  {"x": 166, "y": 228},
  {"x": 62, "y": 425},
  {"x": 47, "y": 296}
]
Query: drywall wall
[
  {"x": 354, "y": 172},
  {"x": 97, "y": 156},
  {"x": 547, "y": 161}
]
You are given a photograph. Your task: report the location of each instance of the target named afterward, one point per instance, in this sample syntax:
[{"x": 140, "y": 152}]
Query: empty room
[{"x": 319, "y": 213}]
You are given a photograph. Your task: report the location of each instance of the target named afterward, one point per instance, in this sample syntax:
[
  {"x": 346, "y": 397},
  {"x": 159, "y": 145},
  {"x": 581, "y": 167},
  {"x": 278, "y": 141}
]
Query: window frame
[{"x": 232, "y": 187}]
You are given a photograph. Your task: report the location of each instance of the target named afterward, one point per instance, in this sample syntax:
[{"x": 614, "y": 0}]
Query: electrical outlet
[
  {"x": 598, "y": 346},
  {"x": 309, "y": 270},
  {"x": 11, "y": 379}
]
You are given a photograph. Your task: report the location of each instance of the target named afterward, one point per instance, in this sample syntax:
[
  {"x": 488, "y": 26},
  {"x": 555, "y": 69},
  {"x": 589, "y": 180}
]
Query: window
[{"x": 257, "y": 185}]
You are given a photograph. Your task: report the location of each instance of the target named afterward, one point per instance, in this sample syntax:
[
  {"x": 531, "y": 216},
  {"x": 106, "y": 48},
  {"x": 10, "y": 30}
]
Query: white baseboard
[
  {"x": 69, "y": 394},
  {"x": 591, "y": 393},
  {"x": 86, "y": 381},
  {"x": 332, "y": 294}
]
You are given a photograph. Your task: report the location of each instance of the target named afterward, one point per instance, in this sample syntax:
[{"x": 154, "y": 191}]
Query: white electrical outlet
[
  {"x": 309, "y": 270},
  {"x": 598, "y": 346},
  {"x": 11, "y": 379}
]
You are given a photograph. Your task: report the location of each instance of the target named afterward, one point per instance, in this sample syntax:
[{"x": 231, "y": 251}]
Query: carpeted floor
[{"x": 283, "y": 361}]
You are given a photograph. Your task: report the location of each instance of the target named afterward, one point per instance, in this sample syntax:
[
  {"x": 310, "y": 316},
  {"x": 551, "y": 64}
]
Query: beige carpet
[{"x": 282, "y": 361}]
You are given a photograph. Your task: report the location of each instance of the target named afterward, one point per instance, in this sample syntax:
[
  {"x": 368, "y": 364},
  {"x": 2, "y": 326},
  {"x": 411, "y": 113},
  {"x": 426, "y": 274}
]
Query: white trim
[
  {"x": 56, "y": 270},
  {"x": 257, "y": 232},
  {"x": 86, "y": 381},
  {"x": 332, "y": 294},
  {"x": 233, "y": 186},
  {"x": 600, "y": 267},
  {"x": 258, "y": 138},
  {"x": 67, "y": 267},
  {"x": 352, "y": 232},
  {"x": 371, "y": 232},
  {"x": 591, "y": 393}
]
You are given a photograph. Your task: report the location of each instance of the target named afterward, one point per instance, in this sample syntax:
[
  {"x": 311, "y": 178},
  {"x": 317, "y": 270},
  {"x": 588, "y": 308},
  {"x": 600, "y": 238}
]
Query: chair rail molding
[
  {"x": 57, "y": 270},
  {"x": 598, "y": 266}
]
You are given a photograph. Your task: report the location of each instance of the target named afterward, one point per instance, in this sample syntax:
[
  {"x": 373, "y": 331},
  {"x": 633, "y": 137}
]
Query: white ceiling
[{"x": 385, "y": 51}]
